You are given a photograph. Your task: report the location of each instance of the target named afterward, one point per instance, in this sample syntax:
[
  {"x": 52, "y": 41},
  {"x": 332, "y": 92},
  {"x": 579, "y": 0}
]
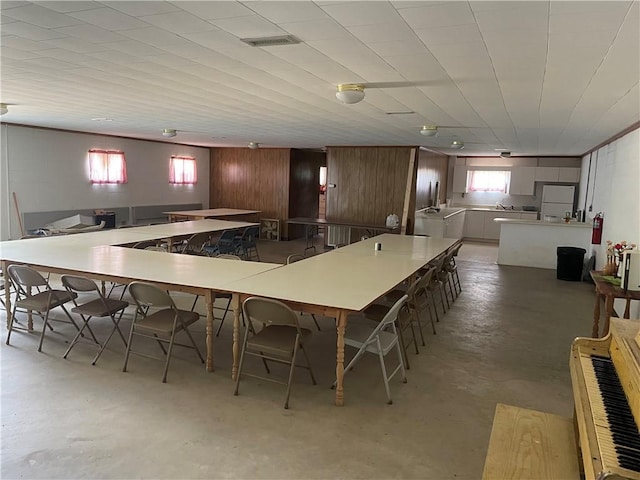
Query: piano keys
[{"x": 606, "y": 383}]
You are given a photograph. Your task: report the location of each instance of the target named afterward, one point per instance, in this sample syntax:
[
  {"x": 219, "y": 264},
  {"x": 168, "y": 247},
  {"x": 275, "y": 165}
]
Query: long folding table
[
  {"x": 335, "y": 284},
  {"x": 226, "y": 213},
  {"x": 89, "y": 254}
]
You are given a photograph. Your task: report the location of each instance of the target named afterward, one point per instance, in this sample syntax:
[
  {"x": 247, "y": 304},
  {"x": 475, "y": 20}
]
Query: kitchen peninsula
[{"x": 533, "y": 243}]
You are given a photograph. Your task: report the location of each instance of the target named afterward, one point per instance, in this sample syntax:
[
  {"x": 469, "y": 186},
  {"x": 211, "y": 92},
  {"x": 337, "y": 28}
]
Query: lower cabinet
[{"x": 480, "y": 224}]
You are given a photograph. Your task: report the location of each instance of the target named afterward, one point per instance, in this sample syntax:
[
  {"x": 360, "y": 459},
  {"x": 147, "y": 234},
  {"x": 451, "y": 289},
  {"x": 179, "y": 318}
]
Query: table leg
[
  {"x": 209, "y": 299},
  {"x": 627, "y": 308},
  {"x": 595, "y": 330},
  {"x": 235, "y": 304},
  {"x": 608, "y": 312},
  {"x": 341, "y": 327}
]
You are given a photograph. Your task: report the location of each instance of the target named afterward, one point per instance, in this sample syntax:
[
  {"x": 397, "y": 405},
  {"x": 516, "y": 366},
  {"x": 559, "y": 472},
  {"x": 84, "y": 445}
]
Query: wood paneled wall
[
  {"x": 371, "y": 183},
  {"x": 251, "y": 179},
  {"x": 432, "y": 168},
  {"x": 304, "y": 187}
]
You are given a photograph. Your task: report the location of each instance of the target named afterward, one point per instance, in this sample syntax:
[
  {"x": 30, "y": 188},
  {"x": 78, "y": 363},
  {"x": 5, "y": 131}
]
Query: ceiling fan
[{"x": 350, "y": 93}]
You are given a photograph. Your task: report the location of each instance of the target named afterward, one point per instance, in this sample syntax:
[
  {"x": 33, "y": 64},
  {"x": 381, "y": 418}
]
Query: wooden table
[
  {"x": 323, "y": 222},
  {"x": 211, "y": 213},
  {"x": 185, "y": 273},
  {"x": 337, "y": 283},
  {"x": 606, "y": 293}
]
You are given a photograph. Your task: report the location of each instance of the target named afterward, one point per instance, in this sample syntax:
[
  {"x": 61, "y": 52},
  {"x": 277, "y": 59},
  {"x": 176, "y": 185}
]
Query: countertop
[
  {"x": 442, "y": 214},
  {"x": 543, "y": 223}
]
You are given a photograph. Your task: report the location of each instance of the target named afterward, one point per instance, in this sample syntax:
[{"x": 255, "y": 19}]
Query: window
[
  {"x": 496, "y": 181},
  {"x": 107, "y": 166},
  {"x": 182, "y": 170}
]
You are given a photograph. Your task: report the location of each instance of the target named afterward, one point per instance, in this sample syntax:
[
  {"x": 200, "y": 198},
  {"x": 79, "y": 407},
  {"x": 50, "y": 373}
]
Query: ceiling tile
[
  {"x": 40, "y": 16},
  {"x": 27, "y": 30},
  {"x": 179, "y": 22},
  {"x": 91, "y": 33},
  {"x": 438, "y": 15},
  {"x": 109, "y": 19},
  {"x": 141, "y": 8},
  {"x": 215, "y": 10},
  {"x": 358, "y": 13},
  {"x": 248, "y": 27},
  {"x": 285, "y": 12}
]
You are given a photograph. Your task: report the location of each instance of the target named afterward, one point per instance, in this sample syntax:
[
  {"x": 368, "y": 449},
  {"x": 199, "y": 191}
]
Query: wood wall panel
[
  {"x": 251, "y": 179},
  {"x": 370, "y": 183},
  {"x": 304, "y": 187},
  {"x": 432, "y": 168}
]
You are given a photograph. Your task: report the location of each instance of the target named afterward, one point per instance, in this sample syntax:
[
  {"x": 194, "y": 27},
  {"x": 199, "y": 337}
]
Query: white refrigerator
[{"x": 557, "y": 200}]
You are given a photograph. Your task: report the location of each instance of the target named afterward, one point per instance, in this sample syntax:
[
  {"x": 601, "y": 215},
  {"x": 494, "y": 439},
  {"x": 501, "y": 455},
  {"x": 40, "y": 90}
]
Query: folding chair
[
  {"x": 248, "y": 245},
  {"x": 225, "y": 245},
  {"x": 25, "y": 280},
  {"x": 196, "y": 243},
  {"x": 99, "y": 306},
  {"x": 278, "y": 340},
  {"x": 380, "y": 341},
  {"x": 161, "y": 325}
]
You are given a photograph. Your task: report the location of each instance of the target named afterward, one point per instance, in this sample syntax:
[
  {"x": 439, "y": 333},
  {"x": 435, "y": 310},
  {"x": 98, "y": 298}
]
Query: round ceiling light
[
  {"x": 429, "y": 130},
  {"x": 350, "y": 93},
  {"x": 457, "y": 144},
  {"x": 253, "y": 145},
  {"x": 168, "y": 132}
]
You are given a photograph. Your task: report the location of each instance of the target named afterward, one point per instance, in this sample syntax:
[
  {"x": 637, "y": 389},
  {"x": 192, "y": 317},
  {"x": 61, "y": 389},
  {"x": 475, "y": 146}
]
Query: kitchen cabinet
[
  {"x": 558, "y": 174},
  {"x": 569, "y": 175},
  {"x": 480, "y": 224},
  {"x": 459, "y": 179},
  {"x": 522, "y": 181},
  {"x": 474, "y": 224},
  {"x": 454, "y": 226}
]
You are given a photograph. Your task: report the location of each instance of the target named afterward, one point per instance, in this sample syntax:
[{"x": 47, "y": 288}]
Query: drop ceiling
[{"x": 534, "y": 78}]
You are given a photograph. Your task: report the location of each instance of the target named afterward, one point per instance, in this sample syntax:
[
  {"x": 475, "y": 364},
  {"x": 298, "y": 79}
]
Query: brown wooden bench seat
[{"x": 526, "y": 444}]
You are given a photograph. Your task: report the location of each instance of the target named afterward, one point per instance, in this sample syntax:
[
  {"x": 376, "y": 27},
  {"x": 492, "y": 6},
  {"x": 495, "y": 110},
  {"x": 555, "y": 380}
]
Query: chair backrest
[
  {"x": 79, "y": 284},
  {"x": 26, "y": 277},
  {"x": 150, "y": 295},
  {"x": 392, "y": 314},
  {"x": 156, "y": 248},
  {"x": 296, "y": 257},
  {"x": 269, "y": 312},
  {"x": 227, "y": 236},
  {"x": 228, "y": 256},
  {"x": 196, "y": 242},
  {"x": 250, "y": 234}
]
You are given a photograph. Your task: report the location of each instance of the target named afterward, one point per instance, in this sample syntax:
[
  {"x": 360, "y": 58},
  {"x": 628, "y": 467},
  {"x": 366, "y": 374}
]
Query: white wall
[
  {"x": 48, "y": 170},
  {"x": 613, "y": 187}
]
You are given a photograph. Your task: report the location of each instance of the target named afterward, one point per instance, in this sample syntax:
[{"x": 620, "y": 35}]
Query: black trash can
[{"x": 570, "y": 263}]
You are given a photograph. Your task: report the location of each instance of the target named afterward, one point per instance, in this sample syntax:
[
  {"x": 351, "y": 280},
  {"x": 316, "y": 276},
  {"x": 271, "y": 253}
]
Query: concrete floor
[{"x": 506, "y": 339}]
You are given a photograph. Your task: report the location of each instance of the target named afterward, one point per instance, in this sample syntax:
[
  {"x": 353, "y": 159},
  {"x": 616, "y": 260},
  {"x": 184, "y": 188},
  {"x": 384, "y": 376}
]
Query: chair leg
[
  {"x": 186, "y": 330},
  {"x": 402, "y": 369},
  {"x": 116, "y": 326},
  {"x": 78, "y": 335},
  {"x": 404, "y": 347},
  {"x": 291, "y": 371},
  {"x": 170, "y": 350},
  {"x": 13, "y": 318},
  {"x": 304, "y": 352},
  {"x": 44, "y": 328},
  {"x": 417, "y": 319},
  {"x": 383, "y": 367},
  {"x": 128, "y": 349},
  {"x": 241, "y": 363},
  {"x": 223, "y": 316},
  {"x": 195, "y": 300}
]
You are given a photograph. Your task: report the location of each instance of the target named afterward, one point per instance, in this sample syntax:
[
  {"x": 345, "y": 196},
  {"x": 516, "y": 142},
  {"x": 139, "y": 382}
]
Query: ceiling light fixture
[
  {"x": 168, "y": 132},
  {"x": 350, "y": 92},
  {"x": 457, "y": 144},
  {"x": 4, "y": 108},
  {"x": 253, "y": 145},
  {"x": 429, "y": 130}
]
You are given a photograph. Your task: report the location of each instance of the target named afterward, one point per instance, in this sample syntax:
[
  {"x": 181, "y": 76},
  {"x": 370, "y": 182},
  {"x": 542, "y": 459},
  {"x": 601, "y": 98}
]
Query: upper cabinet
[
  {"x": 460, "y": 179},
  {"x": 557, "y": 174},
  {"x": 522, "y": 181}
]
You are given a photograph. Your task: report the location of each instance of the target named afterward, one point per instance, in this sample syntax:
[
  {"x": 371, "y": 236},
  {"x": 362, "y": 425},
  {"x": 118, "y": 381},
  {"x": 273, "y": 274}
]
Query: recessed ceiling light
[
  {"x": 401, "y": 113},
  {"x": 168, "y": 132},
  {"x": 102, "y": 119}
]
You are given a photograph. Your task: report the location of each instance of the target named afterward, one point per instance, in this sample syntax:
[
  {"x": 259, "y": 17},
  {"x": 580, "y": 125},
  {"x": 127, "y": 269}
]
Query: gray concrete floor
[{"x": 506, "y": 339}]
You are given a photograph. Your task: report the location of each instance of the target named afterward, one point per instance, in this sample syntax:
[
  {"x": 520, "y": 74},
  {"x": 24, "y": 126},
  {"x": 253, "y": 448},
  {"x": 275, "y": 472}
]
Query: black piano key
[{"x": 624, "y": 430}]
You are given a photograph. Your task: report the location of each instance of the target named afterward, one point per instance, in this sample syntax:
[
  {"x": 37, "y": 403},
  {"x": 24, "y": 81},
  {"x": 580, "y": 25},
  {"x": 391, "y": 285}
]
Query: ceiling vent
[
  {"x": 271, "y": 41},
  {"x": 505, "y": 154}
]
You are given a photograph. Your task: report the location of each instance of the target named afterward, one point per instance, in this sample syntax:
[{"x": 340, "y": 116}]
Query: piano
[{"x": 605, "y": 376}]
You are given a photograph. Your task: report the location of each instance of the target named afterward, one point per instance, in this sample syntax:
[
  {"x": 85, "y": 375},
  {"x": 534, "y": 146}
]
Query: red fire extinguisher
[{"x": 596, "y": 233}]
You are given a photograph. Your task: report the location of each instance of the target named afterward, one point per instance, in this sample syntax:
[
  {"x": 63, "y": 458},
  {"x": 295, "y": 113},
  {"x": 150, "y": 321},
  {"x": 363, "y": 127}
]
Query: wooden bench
[{"x": 526, "y": 444}]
